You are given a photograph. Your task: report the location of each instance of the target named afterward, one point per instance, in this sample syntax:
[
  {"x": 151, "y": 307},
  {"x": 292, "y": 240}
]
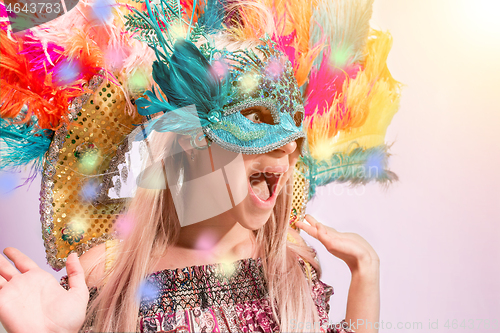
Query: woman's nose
[{"x": 289, "y": 147}]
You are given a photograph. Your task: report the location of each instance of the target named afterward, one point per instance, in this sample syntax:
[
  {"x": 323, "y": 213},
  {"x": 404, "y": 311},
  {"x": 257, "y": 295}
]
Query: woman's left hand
[{"x": 353, "y": 249}]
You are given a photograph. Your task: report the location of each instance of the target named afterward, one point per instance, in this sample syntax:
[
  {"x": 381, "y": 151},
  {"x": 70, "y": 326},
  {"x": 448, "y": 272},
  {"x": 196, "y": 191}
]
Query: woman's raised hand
[
  {"x": 353, "y": 249},
  {"x": 363, "y": 301},
  {"x": 31, "y": 300}
]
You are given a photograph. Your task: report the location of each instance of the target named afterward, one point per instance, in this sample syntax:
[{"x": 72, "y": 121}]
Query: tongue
[{"x": 259, "y": 187}]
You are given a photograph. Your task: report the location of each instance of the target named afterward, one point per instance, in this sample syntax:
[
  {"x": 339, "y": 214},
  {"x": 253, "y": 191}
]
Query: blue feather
[
  {"x": 188, "y": 79},
  {"x": 360, "y": 166},
  {"x": 213, "y": 16},
  {"x": 22, "y": 144},
  {"x": 183, "y": 120}
]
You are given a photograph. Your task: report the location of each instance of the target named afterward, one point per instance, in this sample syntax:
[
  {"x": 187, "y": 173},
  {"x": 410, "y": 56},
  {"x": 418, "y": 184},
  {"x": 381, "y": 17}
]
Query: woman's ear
[
  {"x": 185, "y": 142},
  {"x": 188, "y": 142}
]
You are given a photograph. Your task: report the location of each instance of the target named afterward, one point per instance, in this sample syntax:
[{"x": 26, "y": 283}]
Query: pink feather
[
  {"x": 325, "y": 84},
  {"x": 42, "y": 59}
]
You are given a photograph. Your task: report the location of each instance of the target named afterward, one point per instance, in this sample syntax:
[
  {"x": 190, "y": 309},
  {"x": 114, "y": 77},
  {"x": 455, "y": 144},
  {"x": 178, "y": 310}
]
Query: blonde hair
[{"x": 156, "y": 227}]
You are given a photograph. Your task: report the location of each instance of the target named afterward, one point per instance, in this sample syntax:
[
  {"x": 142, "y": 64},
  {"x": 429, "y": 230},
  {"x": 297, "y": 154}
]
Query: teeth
[{"x": 267, "y": 173}]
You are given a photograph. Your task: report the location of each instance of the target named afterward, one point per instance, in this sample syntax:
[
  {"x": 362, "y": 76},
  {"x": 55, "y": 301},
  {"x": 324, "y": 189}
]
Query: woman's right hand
[{"x": 32, "y": 300}]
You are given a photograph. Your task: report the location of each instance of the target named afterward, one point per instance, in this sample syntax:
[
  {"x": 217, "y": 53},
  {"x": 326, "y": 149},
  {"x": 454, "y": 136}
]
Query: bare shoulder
[{"x": 93, "y": 263}]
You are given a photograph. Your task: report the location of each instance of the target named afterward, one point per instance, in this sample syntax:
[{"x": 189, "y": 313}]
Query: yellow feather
[{"x": 371, "y": 100}]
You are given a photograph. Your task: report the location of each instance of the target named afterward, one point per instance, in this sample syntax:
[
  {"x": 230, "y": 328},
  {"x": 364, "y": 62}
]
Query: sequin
[
  {"x": 214, "y": 116},
  {"x": 251, "y": 85},
  {"x": 237, "y": 132},
  {"x": 67, "y": 191},
  {"x": 72, "y": 233}
]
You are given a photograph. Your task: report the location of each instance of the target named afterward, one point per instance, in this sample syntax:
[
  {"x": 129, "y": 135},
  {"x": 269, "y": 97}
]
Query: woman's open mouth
[{"x": 264, "y": 184}]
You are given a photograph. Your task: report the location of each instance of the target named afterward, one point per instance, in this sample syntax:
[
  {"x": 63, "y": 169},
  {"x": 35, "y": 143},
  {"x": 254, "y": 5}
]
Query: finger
[
  {"x": 7, "y": 271},
  {"x": 306, "y": 227},
  {"x": 2, "y": 282},
  {"x": 312, "y": 221},
  {"x": 76, "y": 276},
  {"x": 23, "y": 262},
  {"x": 322, "y": 232}
]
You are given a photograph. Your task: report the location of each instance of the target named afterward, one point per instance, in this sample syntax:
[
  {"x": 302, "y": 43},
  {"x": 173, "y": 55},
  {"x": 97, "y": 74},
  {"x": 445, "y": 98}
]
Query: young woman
[{"x": 32, "y": 300}]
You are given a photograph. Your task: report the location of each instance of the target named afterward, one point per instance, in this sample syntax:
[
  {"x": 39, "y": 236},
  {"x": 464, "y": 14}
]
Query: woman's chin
[
  {"x": 254, "y": 224},
  {"x": 252, "y": 217}
]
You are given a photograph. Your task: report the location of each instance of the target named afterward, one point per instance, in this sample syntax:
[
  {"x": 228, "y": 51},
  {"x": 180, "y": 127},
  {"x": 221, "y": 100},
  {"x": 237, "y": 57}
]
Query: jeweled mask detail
[
  {"x": 220, "y": 84},
  {"x": 267, "y": 82}
]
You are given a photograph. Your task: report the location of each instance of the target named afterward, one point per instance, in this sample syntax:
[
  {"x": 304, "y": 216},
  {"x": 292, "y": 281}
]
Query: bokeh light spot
[
  {"x": 124, "y": 225},
  {"x": 220, "y": 68},
  {"x": 274, "y": 69},
  {"x": 248, "y": 83},
  {"x": 8, "y": 182},
  {"x": 147, "y": 292},
  {"x": 66, "y": 72},
  {"x": 340, "y": 57},
  {"x": 102, "y": 10},
  {"x": 89, "y": 162},
  {"x": 138, "y": 81},
  {"x": 114, "y": 57},
  {"x": 89, "y": 191},
  {"x": 374, "y": 165},
  {"x": 206, "y": 241}
]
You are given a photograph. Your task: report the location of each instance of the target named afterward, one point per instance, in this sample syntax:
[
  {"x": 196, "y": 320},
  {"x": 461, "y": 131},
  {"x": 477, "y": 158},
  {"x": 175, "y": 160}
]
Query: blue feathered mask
[{"x": 218, "y": 84}]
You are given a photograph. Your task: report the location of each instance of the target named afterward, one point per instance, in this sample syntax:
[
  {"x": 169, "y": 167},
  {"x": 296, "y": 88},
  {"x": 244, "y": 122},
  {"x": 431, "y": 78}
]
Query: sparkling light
[
  {"x": 220, "y": 68},
  {"x": 228, "y": 267},
  {"x": 102, "y": 10},
  {"x": 124, "y": 226},
  {"x": 274, "y": 69},
  {"x": 89, "y": 191},
  {"x": 78, "y": 225},
  {"x": 8, "y": 182},
  {"x": 248, "y": 83},
  {"x": 74, "y": 231},
  {"x": 66, "y": 72},
  {"x": 147, "y": 292},
  {"x": 177, "y": 31}
]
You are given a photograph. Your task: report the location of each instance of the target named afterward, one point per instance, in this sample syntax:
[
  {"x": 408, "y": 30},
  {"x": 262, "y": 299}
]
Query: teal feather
[
  {"x": 188, "y": 79},
  {"x": 212, "y": 18},
  {"x": 183, "y": 121},
  {"x": 22, "y": 144},
  {"x": 181, "y": 71},
  {"x": 360, "y": 166}
]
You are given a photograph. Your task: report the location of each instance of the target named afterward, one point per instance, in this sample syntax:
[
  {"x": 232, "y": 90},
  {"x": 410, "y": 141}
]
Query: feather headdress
[
  {"x": 44, "y": 68},
  {"x": 71, "y": 89},
  {"x": 350, "y": 99}
]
